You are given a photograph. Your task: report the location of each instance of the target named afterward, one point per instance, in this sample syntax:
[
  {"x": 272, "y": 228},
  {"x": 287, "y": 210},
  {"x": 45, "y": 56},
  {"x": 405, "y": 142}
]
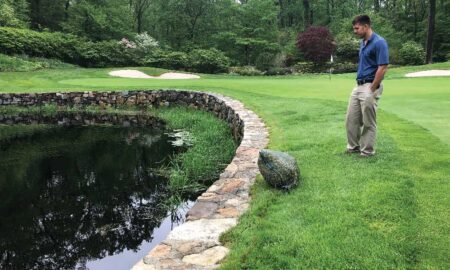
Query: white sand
[
  {"x": 429, "y": 73},
  {"x": 130, "y": 73}
]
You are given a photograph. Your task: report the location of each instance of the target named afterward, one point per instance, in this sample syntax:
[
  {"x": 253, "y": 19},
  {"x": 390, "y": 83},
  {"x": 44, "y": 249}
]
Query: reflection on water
[{"x": 71, "y": 194}]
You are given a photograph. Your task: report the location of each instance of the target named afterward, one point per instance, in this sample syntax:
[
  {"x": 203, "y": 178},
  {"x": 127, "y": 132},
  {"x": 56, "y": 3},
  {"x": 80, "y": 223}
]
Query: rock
[
  {"x": 202, "y": 210},
  {"x": 207, "y": 230},
  {"x": 231, "y": 186},
  {"x": 160, "y": 250},
  {"x": 279, "y": 169},
  {"x": 208, "y": 257},
  {"x": 228, "y": 212}
]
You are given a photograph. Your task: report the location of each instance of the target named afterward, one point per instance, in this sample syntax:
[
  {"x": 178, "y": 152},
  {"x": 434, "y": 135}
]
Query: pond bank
[{"x": 195, "y": 244}]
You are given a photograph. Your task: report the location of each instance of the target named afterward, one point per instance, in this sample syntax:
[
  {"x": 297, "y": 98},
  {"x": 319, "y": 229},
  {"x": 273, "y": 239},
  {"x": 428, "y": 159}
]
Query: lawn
[{"x": 390, "y": 211}]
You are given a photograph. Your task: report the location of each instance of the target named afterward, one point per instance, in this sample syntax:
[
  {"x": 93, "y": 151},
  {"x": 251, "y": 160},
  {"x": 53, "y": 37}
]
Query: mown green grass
[
  {"x": 390, "y": 211},
  {"x": 348, "y": 212}
]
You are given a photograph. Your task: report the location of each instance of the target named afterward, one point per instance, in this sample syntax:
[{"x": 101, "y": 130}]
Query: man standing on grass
[{"x": 362, "y": 107}]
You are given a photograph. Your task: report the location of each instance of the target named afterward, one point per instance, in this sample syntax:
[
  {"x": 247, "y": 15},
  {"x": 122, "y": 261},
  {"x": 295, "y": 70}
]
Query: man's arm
[{"x": 379, "y": 75}]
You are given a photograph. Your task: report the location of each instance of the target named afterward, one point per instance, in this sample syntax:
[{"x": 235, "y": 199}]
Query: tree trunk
[
  {"x": 328, "y": 12},
  {"x": 430, "y": 35},
  {"x": 376, "y": 5},
  {"x": 66, "y": 10},
  {"x": 306, "y": 13},
  {"x": 139, "y": 23},
  {"x": 139, "y": 7}
]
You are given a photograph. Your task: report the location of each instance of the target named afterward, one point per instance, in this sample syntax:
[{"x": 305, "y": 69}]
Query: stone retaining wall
[
  {"x": 194, "y": 244},
  {"x": 69, "y": 119}
]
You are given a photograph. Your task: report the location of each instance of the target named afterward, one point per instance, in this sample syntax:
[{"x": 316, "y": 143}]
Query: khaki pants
[{"x": 362, "y": 119}]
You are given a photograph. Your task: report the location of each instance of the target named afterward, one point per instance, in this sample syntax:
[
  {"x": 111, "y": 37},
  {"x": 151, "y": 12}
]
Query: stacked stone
[{"x": 83, "y": 119}]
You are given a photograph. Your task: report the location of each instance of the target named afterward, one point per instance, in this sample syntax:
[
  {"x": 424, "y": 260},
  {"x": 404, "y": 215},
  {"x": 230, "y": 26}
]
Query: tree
[
  {"x": 253, "y": 34},
  {"x": 13, "y": 13},
  {"x": 47, "y": 14},
  {"x": 316, "y": 43},
  {"x": 139, "y": 7},
  {"x": 306, "y": 13},
  {"x": 430, "y": 34},
  {"x": 100, "y": 21}
]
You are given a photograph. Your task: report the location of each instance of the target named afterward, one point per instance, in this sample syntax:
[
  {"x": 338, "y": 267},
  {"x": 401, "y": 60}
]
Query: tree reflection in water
[{"x": 72, "y": 194}]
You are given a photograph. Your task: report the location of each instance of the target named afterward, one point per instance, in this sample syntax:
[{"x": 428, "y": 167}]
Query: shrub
[
  {"x": 412, "y": 53},
  {"x": 145, "y": 44},
  {"x": 103, "y": 54},
  {"x": 316, "y": 43},
  {"x": 50, "y": 45},
  {"x": 208, "y": 61},
  {"x": 310, "y": 67},
  {"x": 8, "y": 16},
  {"x": 11, "y": 63},
  {"x": 288, "y": 60},
  {"x": 65, "y": 47},
  {"x": 265, "y": 61},
  {"x": 25, "y": 63},
  {"x": 347, "y": 50},
  {"x": 394, "y": 57},
  {"x": 344, "y": 67},
  {"x": 278, "y": 71},
  {"x": 245, "y": 71},
  {"x": 145, "y": 41},
  {"x": 169, "y": 60}
]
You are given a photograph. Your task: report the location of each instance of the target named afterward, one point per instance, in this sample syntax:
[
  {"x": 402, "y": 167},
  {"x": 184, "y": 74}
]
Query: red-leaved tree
[{"x": 316, "y": 43}]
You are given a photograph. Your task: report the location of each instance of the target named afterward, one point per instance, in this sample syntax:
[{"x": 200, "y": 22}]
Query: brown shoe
[
  {"x": 366, "y": 155},
  {"x": 352, "y": 151}
]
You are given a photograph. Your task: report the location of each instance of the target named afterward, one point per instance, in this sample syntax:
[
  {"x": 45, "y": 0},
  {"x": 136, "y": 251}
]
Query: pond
[{"x": 82, "y": 191}]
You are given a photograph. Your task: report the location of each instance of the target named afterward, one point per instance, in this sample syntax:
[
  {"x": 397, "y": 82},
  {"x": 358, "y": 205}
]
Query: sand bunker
[
  {"x": 130, "y": 73},
  {"x": 429, "y": 73}
]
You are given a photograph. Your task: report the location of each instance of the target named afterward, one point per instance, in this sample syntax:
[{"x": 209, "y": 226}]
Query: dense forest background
[{"x": 260, "y": 33}]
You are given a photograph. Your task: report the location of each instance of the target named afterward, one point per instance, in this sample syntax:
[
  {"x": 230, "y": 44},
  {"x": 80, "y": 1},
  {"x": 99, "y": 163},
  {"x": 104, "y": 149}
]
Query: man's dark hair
[{"x": 362, "y": 20}]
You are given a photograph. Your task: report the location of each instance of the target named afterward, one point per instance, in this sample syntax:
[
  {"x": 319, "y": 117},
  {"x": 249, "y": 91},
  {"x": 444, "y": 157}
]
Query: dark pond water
[{"x": 76, "y": 194}]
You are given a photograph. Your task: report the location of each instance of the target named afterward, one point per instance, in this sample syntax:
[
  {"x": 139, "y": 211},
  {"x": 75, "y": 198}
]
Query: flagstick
[{"x": 331, "y": 65}]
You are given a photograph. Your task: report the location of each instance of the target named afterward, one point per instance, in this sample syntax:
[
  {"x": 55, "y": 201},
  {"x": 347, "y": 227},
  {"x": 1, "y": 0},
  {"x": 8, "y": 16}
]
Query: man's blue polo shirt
[{"x": 372, "y": 55}]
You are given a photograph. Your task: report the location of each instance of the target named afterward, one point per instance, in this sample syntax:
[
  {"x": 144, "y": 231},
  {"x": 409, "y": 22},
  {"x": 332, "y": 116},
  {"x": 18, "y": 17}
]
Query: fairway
[{"x": 390, "y": 211}]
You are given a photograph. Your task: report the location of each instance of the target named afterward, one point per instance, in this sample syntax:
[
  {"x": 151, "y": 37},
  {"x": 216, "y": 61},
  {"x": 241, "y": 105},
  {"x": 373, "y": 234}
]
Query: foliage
[
  {"x": 245, "y": 71},
  {"x": 278, "y": 71},
  {"x": 265, "y": 61},
  {"x": 167, "y": 59},
  {"x": 316, "y": 43},
  {"x": 212, "y": 149},
  {"x": 347, "y": 49},
  {"x": 412, "y": 53},
  {"x": 50, "y": 45},
  {"x": 25, "y": 63},
  {"x": 208, "y": 61},
  {"x": 244, "y": 30},
  {"x": 250, "y": 32},
  {"x": 65, "y": 47},
  {"x": 8, "y": 16},
  {"x": 145, "y": 42},
  {"x": 310, "y": 67},
  {"x": 102, "y": 20},
  {"x": 344, "y": 67},
  {"x": 104, "y": 53}
]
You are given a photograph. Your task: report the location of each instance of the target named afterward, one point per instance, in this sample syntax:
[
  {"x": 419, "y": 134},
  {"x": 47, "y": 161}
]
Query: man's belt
[{"x": 361, "y": 82}]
